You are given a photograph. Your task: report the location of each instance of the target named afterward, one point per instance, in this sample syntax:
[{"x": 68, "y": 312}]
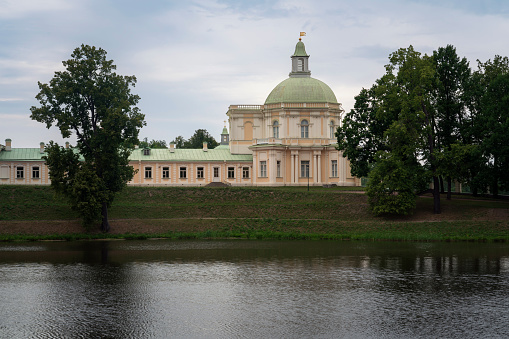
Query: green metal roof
[
  {"x": 217, "y": 154},
  {"x": 305, "y": 89},
  {"x": 26, "y": 154},
  {"x": 225, "y": 131},
  {"x": 300, "y": 49}
]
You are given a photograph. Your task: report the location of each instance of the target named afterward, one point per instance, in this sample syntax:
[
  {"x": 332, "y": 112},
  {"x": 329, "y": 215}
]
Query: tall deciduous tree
[
  {"x": 452, "y": 75},
  {"x": 88, "y": 99},
  {"x": 396, "y": 131},
  {"x": 489, "y": 122}
]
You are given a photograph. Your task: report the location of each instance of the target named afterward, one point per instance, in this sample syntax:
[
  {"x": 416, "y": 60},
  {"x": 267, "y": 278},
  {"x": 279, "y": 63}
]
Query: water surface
[{"x": 253, "y": 289}]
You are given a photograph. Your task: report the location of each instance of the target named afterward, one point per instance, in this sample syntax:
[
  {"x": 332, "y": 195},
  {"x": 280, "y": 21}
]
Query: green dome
[{"x": 304, "y": 89}]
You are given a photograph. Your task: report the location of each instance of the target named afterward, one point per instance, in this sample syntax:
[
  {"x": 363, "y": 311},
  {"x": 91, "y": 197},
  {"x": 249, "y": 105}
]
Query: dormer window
[{"x": 146, "y": 151}]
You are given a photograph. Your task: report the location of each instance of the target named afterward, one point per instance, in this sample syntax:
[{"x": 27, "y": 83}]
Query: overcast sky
[{"x": 193, "y": 59}]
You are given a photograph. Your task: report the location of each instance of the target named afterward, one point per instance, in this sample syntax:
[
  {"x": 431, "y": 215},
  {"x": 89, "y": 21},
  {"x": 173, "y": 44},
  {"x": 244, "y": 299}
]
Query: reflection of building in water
[{"x": 288, "y": 140}]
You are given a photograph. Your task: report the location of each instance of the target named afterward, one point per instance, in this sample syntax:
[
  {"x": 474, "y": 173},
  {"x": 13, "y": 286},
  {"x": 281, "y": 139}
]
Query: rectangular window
[
  {"x": 278, "y": 169},
  {"x": 166, "y": 172},
  {"x": 216, "y": 172},
  {"x": 183, "y": 172},
  {"x": 245, "y": 172},
  {"x": 35, "y": 172},
  {"x": 4, "y": 172},
  {"x": 263, "y": 169},
  {"x": 148, "y": 172},
  {"x": 199, "y": 173},
  {"x": 231, "y": 172},
  {"x": 304, "y": 169},
  {"x": 304, "y": 131},
  {"x": 146, "y": 151},
  {"x": 19, "y": 172},
  {"x": 334, "y": 168}
]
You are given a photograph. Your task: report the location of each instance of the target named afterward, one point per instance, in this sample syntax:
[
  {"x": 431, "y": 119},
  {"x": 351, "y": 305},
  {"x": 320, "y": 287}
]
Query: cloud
[{"x": 15, "y": 9}]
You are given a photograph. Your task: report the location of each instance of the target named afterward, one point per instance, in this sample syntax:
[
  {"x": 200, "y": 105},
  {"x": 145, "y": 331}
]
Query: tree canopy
[
  {"x": 153, "y": 143},
  {"x": 89, "y": 100},
  {"x": 427, "y": 118},
  {"x": 196, "y": 140}
]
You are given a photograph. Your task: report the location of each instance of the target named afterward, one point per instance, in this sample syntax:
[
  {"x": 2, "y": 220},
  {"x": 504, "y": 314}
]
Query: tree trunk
[
  {"x": 442, "y": 189},
  {"x": 494, "y": 188},
  {"x": 105, "y": 226},
  {"x": 449, "y": 188},
  {"x": 436, "y": 196}
]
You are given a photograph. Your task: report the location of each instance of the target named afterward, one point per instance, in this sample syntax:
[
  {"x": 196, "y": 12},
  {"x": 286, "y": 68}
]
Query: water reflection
[{"x": 159, "y": 289}]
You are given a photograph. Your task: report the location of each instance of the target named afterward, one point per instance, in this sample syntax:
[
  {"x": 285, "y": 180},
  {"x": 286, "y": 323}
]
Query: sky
[{"x": 192, "y": 59}]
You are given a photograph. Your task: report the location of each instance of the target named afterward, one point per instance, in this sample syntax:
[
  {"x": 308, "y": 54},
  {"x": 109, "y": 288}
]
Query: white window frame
[
  {"x": 263, "y": 169},
  {"x": 231, "y": 172},
  {"x": 304, "y": 169},
  {"x": 20, "y": 172},
  {"x": 200, "y": 172},
  {"x": 275, "y": 129},
  {"x": 36, "y": 170},
  {"x": 245, "y": 172},
  {"x": 166, "y": 172},
  {"x": 148, "y": 172},
  {"x": 334, "y": 168},
  {"x": 331, "y": 129},
  {"x": 304, "y": 129},
  {"x": 183, "y": 170}
]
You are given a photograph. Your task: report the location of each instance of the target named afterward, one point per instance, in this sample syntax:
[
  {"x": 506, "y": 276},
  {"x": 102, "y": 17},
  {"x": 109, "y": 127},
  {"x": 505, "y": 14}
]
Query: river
[{"x": 253, "y": 289}]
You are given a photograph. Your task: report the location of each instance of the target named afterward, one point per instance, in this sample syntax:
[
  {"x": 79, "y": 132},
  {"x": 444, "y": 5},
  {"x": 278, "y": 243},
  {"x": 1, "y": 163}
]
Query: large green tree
[
  {"x": 448, "y": 94},
  {"x": 395, "y": 132},
  {"x": 488, "y": 99},
  {"x": 93, "y": 103}
]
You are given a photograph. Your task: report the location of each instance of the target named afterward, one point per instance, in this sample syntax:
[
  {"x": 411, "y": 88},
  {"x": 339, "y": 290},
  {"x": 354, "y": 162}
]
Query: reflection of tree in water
[
  {"x": 309, "y": 288},
  {"x": 92, "y": 297}
]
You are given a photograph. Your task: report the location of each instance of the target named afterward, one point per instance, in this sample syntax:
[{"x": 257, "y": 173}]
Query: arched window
[
  {"x": 332, "y": 130},
  {"x": 304, "y": 129},
  {"x": 275, "y": 129}
]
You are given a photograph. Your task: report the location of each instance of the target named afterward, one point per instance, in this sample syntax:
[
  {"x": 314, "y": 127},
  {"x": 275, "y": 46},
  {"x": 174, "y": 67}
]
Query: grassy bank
[{"x": 34, "y": 213}]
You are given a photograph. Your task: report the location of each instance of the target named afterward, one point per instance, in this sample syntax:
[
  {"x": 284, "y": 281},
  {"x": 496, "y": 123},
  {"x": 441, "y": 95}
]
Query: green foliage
[
  {"x": 196, "y": 141},
  {"x": 153, "y": 143},
  {"x": 90, "y": 100},
  {"x": 391, "y": 186}
]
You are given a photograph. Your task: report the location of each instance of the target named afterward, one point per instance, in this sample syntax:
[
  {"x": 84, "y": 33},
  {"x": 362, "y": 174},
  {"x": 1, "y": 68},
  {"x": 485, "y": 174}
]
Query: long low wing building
[{"x": 287, "y": 141}]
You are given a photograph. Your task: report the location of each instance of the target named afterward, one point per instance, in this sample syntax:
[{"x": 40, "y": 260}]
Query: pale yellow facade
[{"x": 287, "y": 141}]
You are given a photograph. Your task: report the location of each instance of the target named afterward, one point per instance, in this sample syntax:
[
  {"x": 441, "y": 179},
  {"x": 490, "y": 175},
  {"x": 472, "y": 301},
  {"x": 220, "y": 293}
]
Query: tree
[
  {"x": 153, "y": 143},
  {"x": 396, "y": 132},
  {"x": 179, "y": 141},
  {"x": 200, "y": 136},
  {"x": 451, "y": 76},
  {"x": 90, "y": 100},
  {"x": 196, "y": 140},
  {"x": 489, "y": 123}
]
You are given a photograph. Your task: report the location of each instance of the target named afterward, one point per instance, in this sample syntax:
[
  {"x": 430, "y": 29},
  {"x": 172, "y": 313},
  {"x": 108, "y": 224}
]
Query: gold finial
[
  {"x": 302, "y": 34},
  {"x": 225, "y": 123}
]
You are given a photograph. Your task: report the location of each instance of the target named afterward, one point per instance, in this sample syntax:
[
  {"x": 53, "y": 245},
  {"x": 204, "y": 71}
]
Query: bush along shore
[{"x": 35, "y": 213}]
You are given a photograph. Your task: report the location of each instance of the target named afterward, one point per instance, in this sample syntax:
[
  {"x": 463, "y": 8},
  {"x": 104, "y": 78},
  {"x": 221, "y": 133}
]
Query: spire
[
  {"x": 300, "y": 61},
  {"x": 225, "y": 137}
]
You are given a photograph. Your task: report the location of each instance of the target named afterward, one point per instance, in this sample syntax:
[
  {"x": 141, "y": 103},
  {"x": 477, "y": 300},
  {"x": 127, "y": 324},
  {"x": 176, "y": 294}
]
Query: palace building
[{"x": 287, "y": 141}]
